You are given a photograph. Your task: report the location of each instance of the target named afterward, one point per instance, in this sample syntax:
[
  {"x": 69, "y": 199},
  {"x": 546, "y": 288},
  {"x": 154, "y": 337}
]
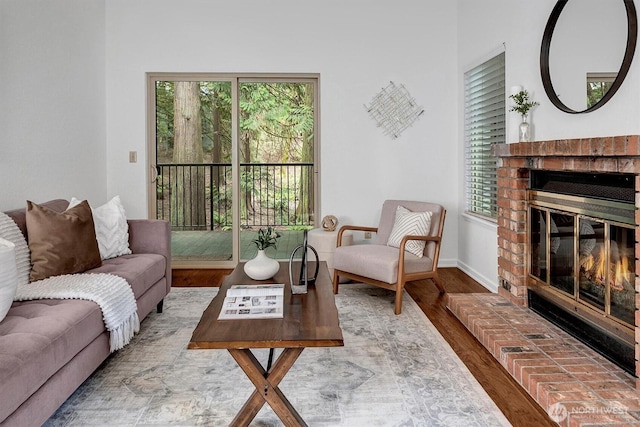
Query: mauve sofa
[{"x": 49, "y": 347}]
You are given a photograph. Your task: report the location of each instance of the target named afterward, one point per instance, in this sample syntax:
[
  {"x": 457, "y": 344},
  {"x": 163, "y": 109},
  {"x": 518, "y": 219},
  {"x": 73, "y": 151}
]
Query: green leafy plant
[
  {"x": 523, "y": 103},
  {"x": 266, "y": 238}
]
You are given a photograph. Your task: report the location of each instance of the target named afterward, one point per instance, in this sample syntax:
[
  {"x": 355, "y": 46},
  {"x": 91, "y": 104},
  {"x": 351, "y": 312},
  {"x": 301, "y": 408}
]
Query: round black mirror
[{"x": 616, "y": 79}]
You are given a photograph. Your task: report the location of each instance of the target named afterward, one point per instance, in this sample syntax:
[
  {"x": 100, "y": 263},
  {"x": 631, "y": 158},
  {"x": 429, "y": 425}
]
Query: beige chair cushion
[{"x": 378, "y": 262}]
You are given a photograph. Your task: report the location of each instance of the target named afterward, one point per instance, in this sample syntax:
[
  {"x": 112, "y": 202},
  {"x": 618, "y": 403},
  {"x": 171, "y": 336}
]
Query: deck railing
[{"x": 198, "y": 196}]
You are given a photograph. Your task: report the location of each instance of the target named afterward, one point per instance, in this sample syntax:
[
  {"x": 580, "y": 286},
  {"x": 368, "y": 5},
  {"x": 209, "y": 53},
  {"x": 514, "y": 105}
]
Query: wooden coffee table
[{"x": 310, "y": 320}]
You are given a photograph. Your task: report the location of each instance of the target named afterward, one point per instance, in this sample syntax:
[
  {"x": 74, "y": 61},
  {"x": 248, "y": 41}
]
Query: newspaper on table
[{"x": 253, "y": 302}]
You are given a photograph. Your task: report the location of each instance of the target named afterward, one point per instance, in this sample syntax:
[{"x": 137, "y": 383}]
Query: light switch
[{"x": 133, "y": 156}]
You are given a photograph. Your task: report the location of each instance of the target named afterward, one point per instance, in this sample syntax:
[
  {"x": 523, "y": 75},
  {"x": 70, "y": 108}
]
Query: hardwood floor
[
  {"x": 519, "y": 408},
  {"x": 197, "y": 277}
]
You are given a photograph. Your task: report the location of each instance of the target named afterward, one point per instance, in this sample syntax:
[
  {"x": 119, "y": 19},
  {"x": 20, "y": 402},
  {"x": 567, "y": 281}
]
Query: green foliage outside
[
  {"x": 215, "y": 102},
  {"x": 276, "y": 126},
  {"x": 596, "y": 91}
]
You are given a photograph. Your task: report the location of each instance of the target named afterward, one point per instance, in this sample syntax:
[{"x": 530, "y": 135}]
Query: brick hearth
[
  {"x": 551, "y": 365},
  {"x": 574, "y": 384}
]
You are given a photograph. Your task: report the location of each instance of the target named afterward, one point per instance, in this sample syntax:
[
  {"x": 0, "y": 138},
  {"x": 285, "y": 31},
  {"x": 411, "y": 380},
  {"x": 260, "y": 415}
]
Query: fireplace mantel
[
  {"x": 612, "y": 154},
  {"x": 592, "y": 151}
]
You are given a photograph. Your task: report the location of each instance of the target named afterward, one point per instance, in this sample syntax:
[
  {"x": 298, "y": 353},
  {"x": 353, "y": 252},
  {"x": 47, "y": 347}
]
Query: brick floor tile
[
  {"x": 565, "y": 361},
  {"x": 532, "y": 375},
  {"x": 546, "y": 388},
  {"x": 618, "y": 394},
  {"x": 584, "y": 420},
  {"x": 519, "y": 361},
  {"x": 580, "y": 394},
  {"x": 592, "y": 368},
  {"x": 595, "y": 376},
  {"x": 632, "y": 404},
  {"x": 563, "y": 354}
]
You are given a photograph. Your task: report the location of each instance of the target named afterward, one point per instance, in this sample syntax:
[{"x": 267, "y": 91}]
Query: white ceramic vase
[{"x": 261, "y": 267}]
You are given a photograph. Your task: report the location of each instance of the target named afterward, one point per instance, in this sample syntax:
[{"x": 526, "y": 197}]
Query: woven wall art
[{"x": 394, "y": 109}]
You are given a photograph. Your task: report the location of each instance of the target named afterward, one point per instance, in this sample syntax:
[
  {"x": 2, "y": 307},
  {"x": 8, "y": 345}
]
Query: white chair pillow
[
  {"x": 8, "y": 276},
  {"x": 112, "y": 229},
  {"x": 410, "y": 223}
]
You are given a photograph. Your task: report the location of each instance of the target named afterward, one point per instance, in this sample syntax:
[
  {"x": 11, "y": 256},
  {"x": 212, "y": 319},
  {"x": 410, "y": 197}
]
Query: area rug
[{"x": 392, "y": 371}]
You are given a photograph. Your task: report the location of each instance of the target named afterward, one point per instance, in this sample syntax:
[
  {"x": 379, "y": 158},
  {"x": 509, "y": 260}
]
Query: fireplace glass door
[
  {"x": 585, "y": 259},
  {"x": 592, "y": 262},
  {"x": 622, "y": 273},
  {"x": 607, "y": 268},
  {"x": 561, "y": 248},
  {"x": 552, "y": 244}
]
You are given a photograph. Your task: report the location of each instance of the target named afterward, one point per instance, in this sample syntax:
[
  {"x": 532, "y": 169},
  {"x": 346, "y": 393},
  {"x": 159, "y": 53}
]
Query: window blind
[{"x": 484, "y": 126}]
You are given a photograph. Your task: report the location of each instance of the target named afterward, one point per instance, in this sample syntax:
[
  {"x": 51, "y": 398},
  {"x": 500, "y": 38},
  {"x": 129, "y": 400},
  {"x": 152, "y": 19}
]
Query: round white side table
[{"x": 325, "y": 243}]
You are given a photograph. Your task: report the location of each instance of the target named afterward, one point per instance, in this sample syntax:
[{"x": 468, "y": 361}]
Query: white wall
[
  {"x": 52, "y": 101},
  {"x": 356, "y": 46},
  {"x": 519, "y": 25},
  {"x": 71, "y": 109}
]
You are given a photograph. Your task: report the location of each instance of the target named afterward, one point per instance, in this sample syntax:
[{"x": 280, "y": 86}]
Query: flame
[
  {"x": 599, "y": 268},
  {"x": 588, "y": 263},
  {"x": 621, "y": 274}
]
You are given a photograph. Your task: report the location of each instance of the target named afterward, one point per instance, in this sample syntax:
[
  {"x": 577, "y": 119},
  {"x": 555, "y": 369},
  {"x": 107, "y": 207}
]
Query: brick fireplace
[{"x": 617, "y": 154}]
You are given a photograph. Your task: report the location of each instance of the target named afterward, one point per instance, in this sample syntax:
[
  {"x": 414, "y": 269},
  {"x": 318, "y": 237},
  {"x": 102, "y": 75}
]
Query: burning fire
[
  {"x": 622, "y": 274},
  {"x": 595, "y": 269}
]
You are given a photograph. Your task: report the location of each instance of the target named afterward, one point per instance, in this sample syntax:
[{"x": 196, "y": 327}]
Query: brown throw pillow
[{"x": 61, "y": 242}]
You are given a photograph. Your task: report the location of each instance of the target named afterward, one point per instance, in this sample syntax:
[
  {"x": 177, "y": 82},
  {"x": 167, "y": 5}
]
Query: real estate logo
[{"x": 558, "y": 412}]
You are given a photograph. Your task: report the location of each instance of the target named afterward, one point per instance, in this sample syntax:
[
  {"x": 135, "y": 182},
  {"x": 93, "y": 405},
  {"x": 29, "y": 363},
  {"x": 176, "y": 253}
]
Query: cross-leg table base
[{"x": 266, "y": 384}]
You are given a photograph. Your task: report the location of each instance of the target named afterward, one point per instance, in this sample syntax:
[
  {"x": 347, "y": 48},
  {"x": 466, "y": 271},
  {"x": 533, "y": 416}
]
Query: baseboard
[
  {"x": 490, "y": 284},
  {"x": 447, "y": 263}
]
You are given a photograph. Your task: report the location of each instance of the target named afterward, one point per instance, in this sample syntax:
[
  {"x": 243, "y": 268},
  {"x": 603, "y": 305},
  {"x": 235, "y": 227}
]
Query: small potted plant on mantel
[
  {"x": 262, "y": 267},
  {"x": 523, "y": 105}
]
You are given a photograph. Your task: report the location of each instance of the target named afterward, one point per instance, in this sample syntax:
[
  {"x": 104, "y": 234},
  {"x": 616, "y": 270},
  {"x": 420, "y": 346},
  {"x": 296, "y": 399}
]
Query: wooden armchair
[{"x": 397, "y": 255}]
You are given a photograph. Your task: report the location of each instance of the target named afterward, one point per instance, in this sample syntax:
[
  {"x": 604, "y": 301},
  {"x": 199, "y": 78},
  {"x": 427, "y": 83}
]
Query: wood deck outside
[{"x": 216, "y": 245}]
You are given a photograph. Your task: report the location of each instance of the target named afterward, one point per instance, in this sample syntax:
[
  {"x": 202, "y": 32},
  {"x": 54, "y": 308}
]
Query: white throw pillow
[
  {"x": 9, "y": 230},
  {"x": 112, "y": 230},
  {"x": 8, "y": 276},
  {"x": 410, "y": 223}
]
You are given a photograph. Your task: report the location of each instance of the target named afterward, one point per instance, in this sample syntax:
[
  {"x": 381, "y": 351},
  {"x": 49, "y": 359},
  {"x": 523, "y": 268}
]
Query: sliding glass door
[{"x": 230, "y": 155}]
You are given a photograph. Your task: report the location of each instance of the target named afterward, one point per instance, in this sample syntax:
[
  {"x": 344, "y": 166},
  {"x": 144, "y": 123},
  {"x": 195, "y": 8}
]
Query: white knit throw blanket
[{"x": 112, "y": 293}]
